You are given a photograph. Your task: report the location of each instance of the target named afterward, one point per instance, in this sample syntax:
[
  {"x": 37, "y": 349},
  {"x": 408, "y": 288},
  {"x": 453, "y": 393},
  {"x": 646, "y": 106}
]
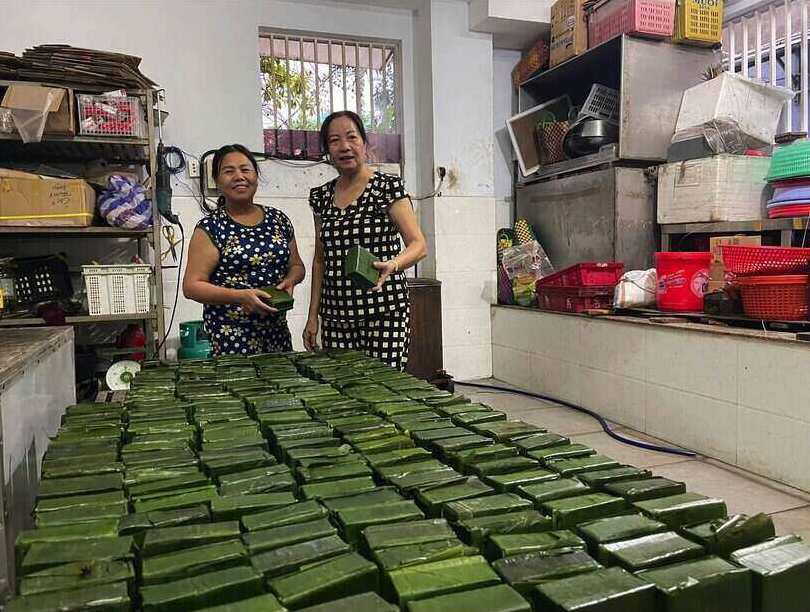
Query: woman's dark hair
[
  {"x": 337, "y": 115},
  {"x": 216, "y": 167}
]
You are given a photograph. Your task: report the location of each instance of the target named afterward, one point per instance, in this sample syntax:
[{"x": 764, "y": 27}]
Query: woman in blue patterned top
[{"x": 235, "y": 251}]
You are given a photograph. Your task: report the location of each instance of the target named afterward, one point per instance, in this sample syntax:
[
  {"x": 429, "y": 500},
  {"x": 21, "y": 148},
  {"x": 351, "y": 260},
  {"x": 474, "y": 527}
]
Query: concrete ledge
[{"x": 739, "y": 396}]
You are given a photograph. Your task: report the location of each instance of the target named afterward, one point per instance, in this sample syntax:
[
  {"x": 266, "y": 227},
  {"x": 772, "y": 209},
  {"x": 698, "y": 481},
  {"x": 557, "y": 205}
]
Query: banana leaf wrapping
[
  {"x": 380, "y": 495},
  {"x": 598, "y": 479},
  {"x": 276, "y": 537},
  {"x": 381, "y": 430},
  {"x": 614, "y": 529},
  {"x": 648, "y": 488},
  {"x": 296, "y": 454},
  {"x": 427, "y": 436},
  {"x": 41, "y": 556},
  {"x": 220, "y": 464},
  {"x": 461, "y": 459},
  {"x": 507, "y": 545},
  {"x": 498, "y": 598},
  {"x": 211, "y": 588},
  {"x": 286, "y": 559},
  {"x": 503, "y": 431},
  {"x": 365, "y": 602},
  {"x": 303, "y": 432},
  {"x": 446, "y": 403},
  {"x": 336, "y": 472},
  {"x": 111, "y": 597},
  {"x": 163, "y": 460},
  {"x": 570, "y": 511},
  {"x": 348, "y": 574},
  {"x": 710, "y": 585},
  {"x": 554, "y": 489},
  {"x": 502, "y": 466},
  {"x": 189, "y": 562},
  {"x": 601, "y": 590},
  {"x": 476, "y": 417},
  {"x": 577, "y": 465},
  {"x": 522, "y": 572},
  {"x": 338, "y": 488},
  {"x": 260, "y": 603},
  {"x": 651, "y": 551},
  {"x": 424, "y": 423},
  {"x": 395, "y": 471},
  {"x": 433, "y": 500},
  {"x": 723, "y": 536},
  {"x": 260, "y": 484},
  {"x": 180, "y": 500},
  {"x": 137, "y": 523},
  {"x": 378, "y": 537},
  {"x": 452, "y": 445},
  {"x": 62, "y": 487},
  {"x": 566, "y": 451},
  {"x": 65, "y": 468},
  {"x": 511, "y": 481},
  {"x": 485, "y": 506},
  {"x": 55, "y": 504},
  {"x": 396, "y": 408},
  {"x": 167, "y": 539},
  {"x": 103, "y": 528},
  {"x": 410, "y": 483},
  {"x": 780, "y": 571},
  {"x": 153, "y": 474},
  {"x": 234, "y": 507},
  {"x": 684, "y": 509},
  {"x": 170, "y": 484},
  {"x": 77, "y": 575},
  {"x": 440, "y": 578},
  {"x": 383, "y": 445},
  {"x": 397, "y": 457},
  {"x": 353, "y": 521},
  {"x": 87, "y": 514},
  {"x": 299, "y": 512},
  {"x": 476, "y": 531},
  {"x": 425, "y": 552}
]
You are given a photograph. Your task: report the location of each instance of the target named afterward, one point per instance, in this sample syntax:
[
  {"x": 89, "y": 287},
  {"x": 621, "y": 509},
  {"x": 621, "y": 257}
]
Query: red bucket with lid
[{"x": 682, "y": 280}]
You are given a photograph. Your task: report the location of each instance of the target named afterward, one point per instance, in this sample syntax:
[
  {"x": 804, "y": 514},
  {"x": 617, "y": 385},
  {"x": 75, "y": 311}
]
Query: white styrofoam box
[
  {"x": 718, "y": 188},
  {"x": 756, "y": 107}
]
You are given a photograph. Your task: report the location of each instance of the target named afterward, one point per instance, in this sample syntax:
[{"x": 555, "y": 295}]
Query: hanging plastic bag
[
  {"x": 124, "y": 204},
  {"x": 524, "y": 265},
  {"x": 636, "y": 289}
]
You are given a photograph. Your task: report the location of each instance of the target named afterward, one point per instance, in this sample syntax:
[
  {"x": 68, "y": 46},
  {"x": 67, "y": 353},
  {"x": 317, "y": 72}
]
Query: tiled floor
[{"x": 742, "y": 491}]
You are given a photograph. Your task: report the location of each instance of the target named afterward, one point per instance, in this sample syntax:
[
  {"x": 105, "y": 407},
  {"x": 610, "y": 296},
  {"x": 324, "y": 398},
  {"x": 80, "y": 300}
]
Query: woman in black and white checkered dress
[{"x": 371, "y": 209}]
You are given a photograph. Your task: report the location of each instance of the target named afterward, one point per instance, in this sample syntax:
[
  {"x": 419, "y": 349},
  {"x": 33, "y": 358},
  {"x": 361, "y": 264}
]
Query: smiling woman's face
[
  {"x": 237, "y": 179},
  {"x": 346, "y": 146}
]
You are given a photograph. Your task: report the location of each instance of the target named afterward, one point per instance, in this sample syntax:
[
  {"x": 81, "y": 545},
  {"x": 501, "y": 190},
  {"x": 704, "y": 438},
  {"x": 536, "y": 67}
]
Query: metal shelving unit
[
  {"x": 67, "y": 149},
  {"x": 784, "y": 227}
]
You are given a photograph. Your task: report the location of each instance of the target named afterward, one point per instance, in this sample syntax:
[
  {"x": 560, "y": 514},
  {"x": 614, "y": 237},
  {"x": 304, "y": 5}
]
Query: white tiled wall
[{"x": 738, "y": 399}]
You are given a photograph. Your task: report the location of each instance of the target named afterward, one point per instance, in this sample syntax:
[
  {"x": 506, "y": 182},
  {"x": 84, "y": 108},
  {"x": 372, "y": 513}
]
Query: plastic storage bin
[
  {"x": 118, "y": 289},
  {"x": 775, "y": 298},
  {"x": 110, "y": 116},
  {"x": 586, "y": 274},
  {"x": 719, "y": 188},
  {"x": 682, "y": 280},
  {"x": 602, "y": 103},
  {"x": 758, "y": 260},
  {"x": 789, "y": 162},
  {"x": 699, "y": 22},
  {"x": 754, "y": 106},
  {"x": 574, "y": 299},
  {"x": 649, "y": 18},
  {"x": 41, "y": 279}
]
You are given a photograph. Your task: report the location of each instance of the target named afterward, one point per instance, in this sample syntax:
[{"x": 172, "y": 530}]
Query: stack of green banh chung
[{"x": 331, "y": 482}]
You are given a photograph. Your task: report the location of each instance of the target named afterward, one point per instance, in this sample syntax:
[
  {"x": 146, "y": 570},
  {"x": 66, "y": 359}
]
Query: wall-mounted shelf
[
  {"x": 77, "y": 232},
  {"x": 76, "y": 320}
]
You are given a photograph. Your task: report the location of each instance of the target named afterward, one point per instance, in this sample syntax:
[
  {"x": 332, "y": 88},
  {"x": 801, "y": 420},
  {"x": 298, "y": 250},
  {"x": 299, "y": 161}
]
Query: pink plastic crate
[
  {"x": 574, "y": 299},
  {"x": 586, "y": 274},
  {"x": 651, "y": 18}
]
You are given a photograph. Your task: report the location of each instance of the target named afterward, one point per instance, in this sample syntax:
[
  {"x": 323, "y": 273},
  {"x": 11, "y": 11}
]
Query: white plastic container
[
  {"x": 118, "y": 289},
  {"x": 756, "y": 107},
  {"x": 719, "y": 188}
]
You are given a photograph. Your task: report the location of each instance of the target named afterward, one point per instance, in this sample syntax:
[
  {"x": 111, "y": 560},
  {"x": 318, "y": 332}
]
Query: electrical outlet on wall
[{"x": 193, "y": 168}]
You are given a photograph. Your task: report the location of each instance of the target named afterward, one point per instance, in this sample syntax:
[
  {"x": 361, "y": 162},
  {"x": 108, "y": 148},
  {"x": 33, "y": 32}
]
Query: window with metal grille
[{"x": 304, "y": 78}]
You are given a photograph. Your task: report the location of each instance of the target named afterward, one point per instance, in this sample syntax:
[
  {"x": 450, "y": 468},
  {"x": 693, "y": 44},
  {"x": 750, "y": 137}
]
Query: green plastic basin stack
[{"x": 330, "y": 482}]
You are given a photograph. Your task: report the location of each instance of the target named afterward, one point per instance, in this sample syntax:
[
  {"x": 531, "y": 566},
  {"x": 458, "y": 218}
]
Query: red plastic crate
[
  {"x": 574, "y": 299},
  {"x": 586, "y": 274},
  {"x": 649, "y": 18}
]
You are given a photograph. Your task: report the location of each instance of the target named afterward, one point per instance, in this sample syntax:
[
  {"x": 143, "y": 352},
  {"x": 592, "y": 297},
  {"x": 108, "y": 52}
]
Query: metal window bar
[
  {"x": 784, "y": 50},
  {"x": 294, "y": 102}
]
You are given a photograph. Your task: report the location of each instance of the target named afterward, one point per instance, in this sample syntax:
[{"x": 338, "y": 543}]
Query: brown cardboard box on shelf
[
  {"x": 717, "y": 270},
  {"x": 31, "y": 200},
  {"x": 56, "y": 101},
  {"x": 569, "y": 30}
]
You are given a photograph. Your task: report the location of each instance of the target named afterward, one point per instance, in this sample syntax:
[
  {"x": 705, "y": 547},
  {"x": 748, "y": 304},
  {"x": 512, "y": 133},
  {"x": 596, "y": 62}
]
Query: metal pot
[{"x": 589, "y": 135}]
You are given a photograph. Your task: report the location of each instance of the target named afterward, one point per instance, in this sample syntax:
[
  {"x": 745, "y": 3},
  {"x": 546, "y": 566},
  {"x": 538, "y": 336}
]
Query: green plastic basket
[{"x": 790, "y": 162}]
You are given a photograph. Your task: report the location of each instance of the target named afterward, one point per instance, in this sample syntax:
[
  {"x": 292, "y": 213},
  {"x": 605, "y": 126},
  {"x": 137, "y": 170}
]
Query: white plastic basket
[
  {"x": 602, "y": 103},
  {"x": 118, "y": 289}
]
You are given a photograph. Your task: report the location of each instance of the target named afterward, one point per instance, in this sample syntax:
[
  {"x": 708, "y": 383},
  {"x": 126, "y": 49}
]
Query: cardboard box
[
  {"x": 31, "y": 200},
  {"x": 569, "y": 30},
  {"x": 717, "y": 242},
  {"x": 57, "y": 102}
]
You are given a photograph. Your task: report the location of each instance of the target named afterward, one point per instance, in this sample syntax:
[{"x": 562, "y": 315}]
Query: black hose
[{"x": 591, "y": 413}]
